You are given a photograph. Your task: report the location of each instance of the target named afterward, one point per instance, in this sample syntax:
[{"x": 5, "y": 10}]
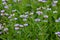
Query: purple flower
[{"x": 58, "y": 33}]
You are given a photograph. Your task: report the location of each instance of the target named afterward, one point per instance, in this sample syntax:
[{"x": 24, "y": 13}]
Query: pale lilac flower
[
  {"x": 2, "y": 11},
  {"x": 17, "y": 28},
  {"x": 16, "y": 25},
  {"x": 42, "y": 0},
  {"x": 26, "y": 24},
  {"x": 4, "y": 3},
  {"x": 37, "y": 20},
  {"x": 39, "y": 12},
  {"x": 57, "y": 33},
  {"x": 25, "y": 16},
  {"x": 45, "y": 16},
  {"x": 53, "y": 4},
  {"x": 15, "y": 18},
  {"x": 10, "y": 17},
  {"x": 0, "y": 32},
  {"x": 6, "y": 7},
  {"x": 57, "y": 20}
]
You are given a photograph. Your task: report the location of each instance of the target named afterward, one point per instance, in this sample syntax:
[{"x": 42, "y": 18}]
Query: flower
[
  {"x": 39, "y": 12},
  {"x": 54, "y": 11},
  {"x": 45, "y": 16},
  {"x": 37, "y": 20},
  {"x": 57, "y": 33},
  {"x": 1, "y": 27},
  {"x": 26, "y": 24},
  {"x": 16, "y": 25},
  {"x": 21, "y": 25},
  {"x": 6, "y": 7},
  {"x": 15, "y": 18},
  {"x": 5, "y": 29},
  {"x": 16, "y": 28},
  {"x": 2, "y": 11}
]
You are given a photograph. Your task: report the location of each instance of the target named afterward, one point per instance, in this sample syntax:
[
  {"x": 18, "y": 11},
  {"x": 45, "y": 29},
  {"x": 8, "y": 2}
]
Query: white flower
[
  {"x": 54, "y": 11},
  {"x": 16, "y": 28},
  {"x": 45, "y": 16},
  {"x": 2, "y": 11},
  {"x": 21, "y": 25},
  {"x": 48, "y": 8},
  {"x": 31, "y": 13},
  {"x": 1, "y": 27},
  {"x": 21, "y": 16},
  {"x": 3, "y": 0},
  {"x": 14, "y": 10},
  {"x": 55, "y": 1},
  {"x": 5, "y": 29},
  {"x": 25, "y": 24},
  {"x": 39, "y": 0},
  {"x": 57, "y": 20},
  {"x": 24, "y": 19},
  {"x": 16, "y": 25},
  {"x": 37, "y": 20}
]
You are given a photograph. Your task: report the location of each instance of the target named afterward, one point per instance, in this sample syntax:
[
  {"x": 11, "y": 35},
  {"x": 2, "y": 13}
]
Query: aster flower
[
  {"x": 39, "y": 12},
  {"x": 17, "y": 28},
  {"x": 54, "y": 12},
  {"x": 21, "y": 25},
  {"x": 37, "y": 20},
  {"x": 6, "y": 7},
  {"x": 16, "y": 25},
  {"x": 0, "y": 32},
  {"x": 5, "y": 29},
  {"x": 45, "y": 16},
  {"x": 2, "y": 11},
  {"x": 26, "y": 24},
  {"x": 24, "y": 19},
  {"x": 57, "y": 33},
  {"x": 57, "y": 20},
  {"x": 1, "y": 27},
  {"x": 15, "y": 18}
]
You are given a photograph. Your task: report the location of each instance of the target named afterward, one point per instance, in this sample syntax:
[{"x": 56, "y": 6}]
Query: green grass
[{"x": 35, "y": 30}]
